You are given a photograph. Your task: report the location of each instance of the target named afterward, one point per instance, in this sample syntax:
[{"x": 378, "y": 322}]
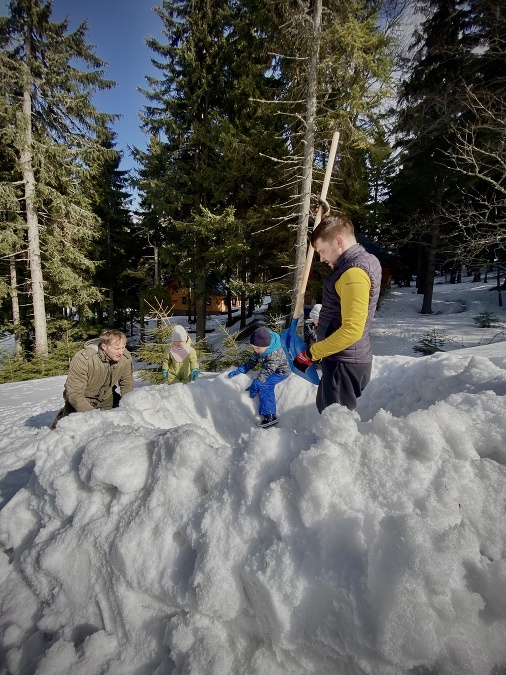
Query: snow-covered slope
[{"x": 173, "y": 536}]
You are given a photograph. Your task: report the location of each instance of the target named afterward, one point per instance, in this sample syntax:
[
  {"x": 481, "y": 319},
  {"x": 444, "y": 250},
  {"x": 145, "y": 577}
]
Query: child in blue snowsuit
[{"x": 274, "y": 368}]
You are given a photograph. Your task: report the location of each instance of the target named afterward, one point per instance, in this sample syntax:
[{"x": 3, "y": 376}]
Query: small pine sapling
[
  {"x": 431, "y": 342},
  {"x": 485, "y": 319}
]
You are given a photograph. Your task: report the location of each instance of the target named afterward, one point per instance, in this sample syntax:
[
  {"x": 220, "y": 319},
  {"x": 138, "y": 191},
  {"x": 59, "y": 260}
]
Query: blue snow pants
[{"x": 267, "y": 402}]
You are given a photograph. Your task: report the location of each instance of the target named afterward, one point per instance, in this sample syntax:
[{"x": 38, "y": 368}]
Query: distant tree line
[{"x": 239, "y": 121}]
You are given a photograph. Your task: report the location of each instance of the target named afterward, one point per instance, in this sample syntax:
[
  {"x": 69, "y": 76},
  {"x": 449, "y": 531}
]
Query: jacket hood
[
  {"x": 179, "y": 334},
  {"x": 93, "y": 343},
  {"x": 275, "y": 343}
]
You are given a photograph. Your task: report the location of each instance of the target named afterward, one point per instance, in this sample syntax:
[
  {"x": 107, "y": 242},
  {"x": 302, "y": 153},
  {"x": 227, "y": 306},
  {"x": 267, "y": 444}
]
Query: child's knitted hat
[
  {"x": 315, "y": 312},
  {"x": 179, "y": 334},
  {"x": 260, "y": 337}
]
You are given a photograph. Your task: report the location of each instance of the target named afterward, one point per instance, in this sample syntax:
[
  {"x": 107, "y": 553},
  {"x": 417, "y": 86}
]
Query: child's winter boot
[{"x": 268, "y": 421}]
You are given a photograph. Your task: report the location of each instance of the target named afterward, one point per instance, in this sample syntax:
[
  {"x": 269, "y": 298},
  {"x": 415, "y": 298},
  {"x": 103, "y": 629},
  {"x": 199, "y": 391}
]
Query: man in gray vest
[
  {"x": 350, "y": 296},
  {"x": 93, "y": 373}
]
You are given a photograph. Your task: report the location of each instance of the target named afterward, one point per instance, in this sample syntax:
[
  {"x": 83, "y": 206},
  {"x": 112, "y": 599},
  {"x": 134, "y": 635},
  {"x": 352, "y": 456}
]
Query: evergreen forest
[{"x": 238, "y": 124}]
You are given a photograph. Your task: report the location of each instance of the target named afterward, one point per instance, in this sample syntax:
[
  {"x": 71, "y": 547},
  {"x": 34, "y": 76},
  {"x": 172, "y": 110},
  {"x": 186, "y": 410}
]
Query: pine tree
[
  {"x": 341, "y": 85},
  {"x": 12, "y": 244},
  {"x": 480, "y": 148},
  {"x": 53, "y": 141},
  {"x": 205, "y": 159},
  {"x": 116, "y": 248},
  {"x": 430, "y": 106}
]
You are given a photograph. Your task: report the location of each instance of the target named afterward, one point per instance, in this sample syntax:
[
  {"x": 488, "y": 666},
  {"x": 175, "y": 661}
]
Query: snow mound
[{"x": 174, "y": 536}]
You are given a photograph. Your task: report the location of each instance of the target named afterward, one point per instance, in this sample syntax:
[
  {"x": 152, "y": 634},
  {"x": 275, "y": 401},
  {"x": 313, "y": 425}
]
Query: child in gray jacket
[{"x": 274, "y": 368}]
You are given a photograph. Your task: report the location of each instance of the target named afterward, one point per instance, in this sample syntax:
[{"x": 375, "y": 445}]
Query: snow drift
[{"x": 173, "y": 536}]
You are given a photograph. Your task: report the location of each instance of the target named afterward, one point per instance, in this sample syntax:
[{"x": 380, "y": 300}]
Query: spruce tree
[
  {"x": 53, "y": 143},
  {"x": 430, "y": 105},
  {"x": 480, "y": 148},
  {"x": 13, "y": 253},
  {"x": 336, "y": 75},
  {"x": 204, "y": 161},
  {"x": 116, "y": 249}
]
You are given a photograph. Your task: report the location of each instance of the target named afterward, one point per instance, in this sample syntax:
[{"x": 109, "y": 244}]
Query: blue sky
[{"x": 117, "y": 29}]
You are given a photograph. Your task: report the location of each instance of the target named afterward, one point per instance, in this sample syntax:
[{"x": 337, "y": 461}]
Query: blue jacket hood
[{"x": 275, "y": 343}]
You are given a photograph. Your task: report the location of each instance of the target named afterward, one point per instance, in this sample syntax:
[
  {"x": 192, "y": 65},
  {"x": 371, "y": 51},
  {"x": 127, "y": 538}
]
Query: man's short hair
[
  {"x": 330, "y": 226},
  {"x": 112, "y": 335}
]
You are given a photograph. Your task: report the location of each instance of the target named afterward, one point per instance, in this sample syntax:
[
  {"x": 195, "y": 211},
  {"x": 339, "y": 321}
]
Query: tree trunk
[
  {"x": 200, "y": 294},
  {"x": 200, "y": 302},
  {"x": 430, "y": 269},
  {"x": 110, "y": 297},
  {"x": 421, "y": 268},
  {"x": 189, "y": 314},
  {"x": 307, "y": 165},
  {"x": 110, "y": 308},
  {"x": 37, "y": 281},
  {"x": 156, "y": 252},
  {"x": 16, "y": 320},
  {"x": 229, "y": 301},
  {"x": 243, "y": 299},
  {"x": 142, "y": 322}
]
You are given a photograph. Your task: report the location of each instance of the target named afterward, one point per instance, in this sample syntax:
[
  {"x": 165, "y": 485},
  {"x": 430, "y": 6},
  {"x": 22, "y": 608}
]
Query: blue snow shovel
[{"x": 291, "y": 342}]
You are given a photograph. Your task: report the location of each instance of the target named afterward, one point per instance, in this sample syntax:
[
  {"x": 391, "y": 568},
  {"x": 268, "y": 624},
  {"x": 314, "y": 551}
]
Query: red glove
[{"x": 303, "y": 360}]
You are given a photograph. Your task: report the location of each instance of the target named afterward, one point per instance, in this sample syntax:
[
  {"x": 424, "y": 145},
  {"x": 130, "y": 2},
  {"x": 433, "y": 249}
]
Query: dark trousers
[{"x": 342, "y": 383}]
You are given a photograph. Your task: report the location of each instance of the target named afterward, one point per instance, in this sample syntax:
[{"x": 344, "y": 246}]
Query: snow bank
[{"x": 173, "y": 536}]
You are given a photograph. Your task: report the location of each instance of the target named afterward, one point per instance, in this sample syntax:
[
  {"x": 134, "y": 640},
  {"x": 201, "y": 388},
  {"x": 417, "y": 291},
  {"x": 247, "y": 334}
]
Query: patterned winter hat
[
  {"x": 179, "y": 334},
  {"x": 260, "y": 337}
]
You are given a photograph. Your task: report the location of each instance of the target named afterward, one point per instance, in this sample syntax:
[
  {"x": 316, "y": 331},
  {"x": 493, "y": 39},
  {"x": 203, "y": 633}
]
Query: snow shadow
[
  {"x": 13, "y": 481},
  {"x": 44, "y": 419}
]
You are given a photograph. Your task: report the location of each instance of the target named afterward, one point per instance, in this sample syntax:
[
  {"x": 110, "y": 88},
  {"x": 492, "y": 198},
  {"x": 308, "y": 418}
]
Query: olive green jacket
[
  {"x": 92, "y": 376},
  {"x": 180, "y": 371}
]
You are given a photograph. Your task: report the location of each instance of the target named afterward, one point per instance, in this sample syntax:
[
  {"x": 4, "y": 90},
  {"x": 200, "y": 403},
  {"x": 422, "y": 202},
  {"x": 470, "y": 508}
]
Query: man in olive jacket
[{"x": 94, "y": 371}]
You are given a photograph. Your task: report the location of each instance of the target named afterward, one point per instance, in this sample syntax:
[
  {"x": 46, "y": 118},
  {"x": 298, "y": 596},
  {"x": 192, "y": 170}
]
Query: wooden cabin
[{"x": 216, "y": 303}]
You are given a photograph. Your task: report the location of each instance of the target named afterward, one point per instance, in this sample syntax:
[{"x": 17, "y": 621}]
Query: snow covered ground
[{"x": 173, "y": 536}]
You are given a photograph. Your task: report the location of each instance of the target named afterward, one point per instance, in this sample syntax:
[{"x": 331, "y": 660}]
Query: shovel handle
[{"x": 310, "y": 251}]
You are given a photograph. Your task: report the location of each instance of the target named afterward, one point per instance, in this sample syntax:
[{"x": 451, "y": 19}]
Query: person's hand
[
  {"x": 194, "y": 375},
  {"x": 254, "y": 387},
  {"x": 165, "y": 374},
  {"x": 238, "y": 371},
  {"x": 303, "y": 360}
]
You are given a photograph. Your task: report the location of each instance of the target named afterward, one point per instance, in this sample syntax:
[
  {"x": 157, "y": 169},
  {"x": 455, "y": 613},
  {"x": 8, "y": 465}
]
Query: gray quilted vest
[{"x": 330, "y": 313}]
